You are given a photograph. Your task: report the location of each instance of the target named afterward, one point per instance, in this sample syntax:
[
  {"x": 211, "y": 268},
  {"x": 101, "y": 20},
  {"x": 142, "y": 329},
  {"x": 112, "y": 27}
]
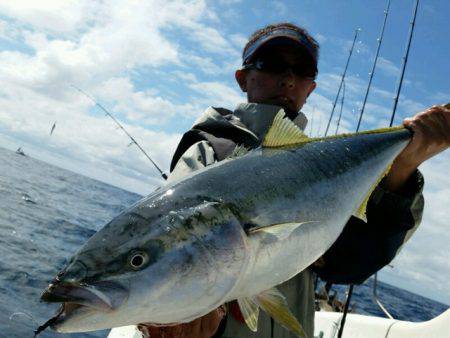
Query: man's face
[{"x": 285, "y": 89}]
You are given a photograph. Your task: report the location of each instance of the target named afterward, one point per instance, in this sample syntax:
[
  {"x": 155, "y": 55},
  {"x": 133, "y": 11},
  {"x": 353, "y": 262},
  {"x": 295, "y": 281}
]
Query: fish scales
[{"x": 266, "y": 176}]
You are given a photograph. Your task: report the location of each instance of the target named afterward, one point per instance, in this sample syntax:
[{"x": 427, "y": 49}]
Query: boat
[
  {"x": 356, "y": 326},
  {"x": 19, "y": 151}
]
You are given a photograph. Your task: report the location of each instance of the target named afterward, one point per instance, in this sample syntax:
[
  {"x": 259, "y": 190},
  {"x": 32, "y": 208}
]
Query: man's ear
[
  {"x": 312, "y": 87},
  {"x": 241, "y": 78}
]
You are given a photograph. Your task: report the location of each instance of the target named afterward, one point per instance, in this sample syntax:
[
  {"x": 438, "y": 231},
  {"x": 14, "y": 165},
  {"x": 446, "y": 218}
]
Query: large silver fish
[{"x": 233, "y": 230}]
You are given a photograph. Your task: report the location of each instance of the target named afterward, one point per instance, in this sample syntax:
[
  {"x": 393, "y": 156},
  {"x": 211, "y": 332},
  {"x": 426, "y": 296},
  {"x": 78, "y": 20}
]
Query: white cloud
[
  {"x": 354, "y": 86},
  {"x": 52, "y": 16},
  {"x": 238, "y": 40},
  {"x": 424, "y": 259},
  {"x": 388, "y": 67},
  {"x": 346, "y": 44},
  {"x": 204, "y": 64},
  {"x": 211, "y": 40},
  {"x": 8, "y": 32},
  {"x": 229, "y": 2},
  {"x": 279, "y": 7},
  {"x": 218, "y": 94},
  {"x": 185, "y": 76},
  {"x": 328, "y": 82},
  {"x": 98, "y": 53},
  {"x": 361, "y": 48},
  {"x": 84, "y": 138},
  {"x": 143, "y": 107},
  {"x": 382, "y": 93},
  {"x": 437, "y": 192},
  {"x": 317, "y": 110},
  {"x": 408, "y": 107}
]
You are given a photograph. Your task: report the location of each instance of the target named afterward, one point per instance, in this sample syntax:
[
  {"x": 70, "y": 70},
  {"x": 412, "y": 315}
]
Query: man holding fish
[
  {"x": 252, "y": 209},
  {"x": 279, "y": 70}
]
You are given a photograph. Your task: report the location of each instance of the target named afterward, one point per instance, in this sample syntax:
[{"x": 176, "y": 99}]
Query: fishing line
[
  {"x": 342, "y": 107},
  {"x": 15, "y": 314},
  {"x": 372, "y": 72},
  {"x": 119, "y": 125},
  {"x": 342, "y": 80},
  {"x": 40, "y": 327},
  {"x": 405, "y": 61}
]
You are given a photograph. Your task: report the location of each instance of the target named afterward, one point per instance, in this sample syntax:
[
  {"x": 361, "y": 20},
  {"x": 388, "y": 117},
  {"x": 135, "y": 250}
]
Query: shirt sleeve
[
  {"x": 198, "y": 156},
  {"x": 364, "y": 248}
]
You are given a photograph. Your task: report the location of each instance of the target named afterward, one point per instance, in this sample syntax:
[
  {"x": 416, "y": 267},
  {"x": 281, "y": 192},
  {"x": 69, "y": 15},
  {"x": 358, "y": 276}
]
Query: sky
[{"x": 157, "y": 65}]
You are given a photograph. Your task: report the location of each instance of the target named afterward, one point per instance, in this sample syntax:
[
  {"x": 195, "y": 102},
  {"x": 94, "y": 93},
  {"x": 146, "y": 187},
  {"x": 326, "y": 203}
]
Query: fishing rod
[
  {"x": 342, "y": 80},
  {"x": 372, "y": 72},
  {"x": 133, "y": 141},
  {"x": 342, "y": 107},
  {"x": 405, "y": 60}
]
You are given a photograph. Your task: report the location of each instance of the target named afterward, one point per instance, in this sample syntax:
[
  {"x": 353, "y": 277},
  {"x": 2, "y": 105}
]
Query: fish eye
[{"x": 138, "y": 259}]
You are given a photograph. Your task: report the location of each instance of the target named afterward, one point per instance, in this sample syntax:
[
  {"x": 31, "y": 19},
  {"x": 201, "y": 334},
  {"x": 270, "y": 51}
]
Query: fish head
[
  {"x": 99, "y": 280},
  {"x": 148, "y": 267}
]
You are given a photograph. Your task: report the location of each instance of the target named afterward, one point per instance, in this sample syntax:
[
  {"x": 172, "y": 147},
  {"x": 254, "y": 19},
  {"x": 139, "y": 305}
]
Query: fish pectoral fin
[
  {"x": 281, "y": 230},
  {"x": 361, "y": 212},
  {"x": 283, "y": 132},
  {"x": 274, "y": 303},
  {"x": 250, "y": 312}
]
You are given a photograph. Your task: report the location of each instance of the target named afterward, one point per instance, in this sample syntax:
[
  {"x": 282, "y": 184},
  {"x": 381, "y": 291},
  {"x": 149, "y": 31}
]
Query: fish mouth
[{"x": 83, "y": 299}]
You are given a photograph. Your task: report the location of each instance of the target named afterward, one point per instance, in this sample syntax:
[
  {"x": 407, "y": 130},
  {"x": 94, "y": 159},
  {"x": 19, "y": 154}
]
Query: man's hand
[
  {"x": 203, "y": 327},
  {"x": 431, "y": 136}
]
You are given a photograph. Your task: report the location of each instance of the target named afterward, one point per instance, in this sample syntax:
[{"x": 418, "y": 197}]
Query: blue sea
[{"x": 47, "y": 213}]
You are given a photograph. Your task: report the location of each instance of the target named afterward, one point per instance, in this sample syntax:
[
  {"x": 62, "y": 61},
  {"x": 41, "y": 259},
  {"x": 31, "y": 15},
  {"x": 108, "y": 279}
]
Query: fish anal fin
[
  {"x": 361, "y": 211},
  {"x": 250, "y": 312},
  {"x": 283, "y": 132},
  {"x": 274, "y": 303}
]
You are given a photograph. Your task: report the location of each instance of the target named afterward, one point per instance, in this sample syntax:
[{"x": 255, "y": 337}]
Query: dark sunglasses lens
[
  {"x": 302, "y": 71},
  {"x": 279, "y": 66},
  {"x": 271, "y": 66}
]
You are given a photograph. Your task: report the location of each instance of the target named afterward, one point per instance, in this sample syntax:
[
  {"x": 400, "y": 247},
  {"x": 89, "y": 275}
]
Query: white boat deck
[
  {"x": 356, "y": 326},
  {"x": 359, "y": 326}
]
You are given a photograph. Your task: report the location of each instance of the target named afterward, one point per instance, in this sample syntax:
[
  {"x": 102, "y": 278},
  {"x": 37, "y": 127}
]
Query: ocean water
[{"x": 47, "y": 213}]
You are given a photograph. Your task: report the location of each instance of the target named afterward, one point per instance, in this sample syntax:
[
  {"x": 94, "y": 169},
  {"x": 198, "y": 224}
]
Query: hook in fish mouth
[{"x": 64, "y": 312}]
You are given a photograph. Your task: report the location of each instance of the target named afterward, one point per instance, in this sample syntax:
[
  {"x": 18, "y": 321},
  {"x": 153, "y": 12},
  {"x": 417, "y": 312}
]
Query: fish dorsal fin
[
  {"x": 281, "y": 230},
  {"x": 250, "y": 312},
  {"x": 361, "y": 211},
  {"x": 283, "y": 132},
  {"x": 274, "y": 303}
]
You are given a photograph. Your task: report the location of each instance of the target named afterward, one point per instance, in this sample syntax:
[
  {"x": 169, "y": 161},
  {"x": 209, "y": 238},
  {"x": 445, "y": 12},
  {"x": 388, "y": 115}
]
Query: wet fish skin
[{"x": 207, "y": 240}]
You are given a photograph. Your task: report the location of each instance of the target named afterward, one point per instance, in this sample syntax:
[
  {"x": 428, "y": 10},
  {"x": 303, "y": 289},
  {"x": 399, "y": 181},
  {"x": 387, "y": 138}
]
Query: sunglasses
[{"x": 280, "y": 66}]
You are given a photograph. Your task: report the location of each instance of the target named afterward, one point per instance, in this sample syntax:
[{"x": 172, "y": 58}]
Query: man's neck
[{"x": 290, "y": 114}]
